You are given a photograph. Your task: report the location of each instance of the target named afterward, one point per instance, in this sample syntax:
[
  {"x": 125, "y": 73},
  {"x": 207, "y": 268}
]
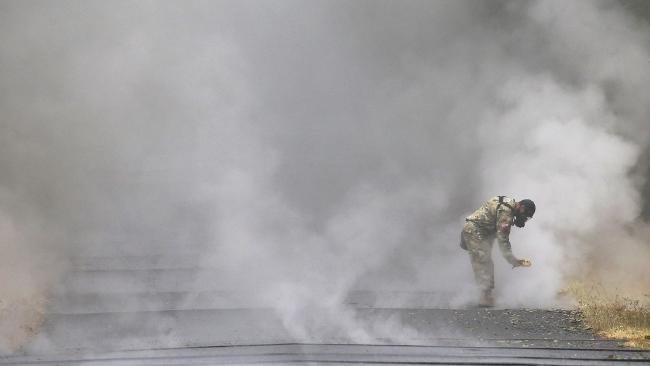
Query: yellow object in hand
[{"x": 526, "y": 263}]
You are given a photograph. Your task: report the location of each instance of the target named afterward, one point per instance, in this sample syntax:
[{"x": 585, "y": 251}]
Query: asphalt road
[
  {"x": 254, "y": 336},
  {"x": 147, "y": 310}
]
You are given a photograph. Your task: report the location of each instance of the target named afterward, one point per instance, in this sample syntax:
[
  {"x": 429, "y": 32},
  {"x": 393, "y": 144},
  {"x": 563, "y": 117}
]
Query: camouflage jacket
[{"x": 490, "y": 222}]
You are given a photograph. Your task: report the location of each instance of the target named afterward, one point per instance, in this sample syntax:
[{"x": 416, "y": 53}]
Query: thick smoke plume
[{"x": 307, "y": 150}]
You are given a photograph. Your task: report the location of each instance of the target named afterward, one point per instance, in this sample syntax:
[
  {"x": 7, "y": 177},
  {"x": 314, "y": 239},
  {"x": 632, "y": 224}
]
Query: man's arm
[{"x": 504, "y": 223}]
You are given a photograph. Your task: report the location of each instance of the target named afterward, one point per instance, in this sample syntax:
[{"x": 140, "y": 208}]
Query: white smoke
[
  {"x": 552, "y": 145},
  {"x": 571, "y": 140},
  {"x": 313, "y": 150}
]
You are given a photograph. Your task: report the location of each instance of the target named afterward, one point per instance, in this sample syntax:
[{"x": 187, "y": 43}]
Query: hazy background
[{"x": 307, "y": 149}]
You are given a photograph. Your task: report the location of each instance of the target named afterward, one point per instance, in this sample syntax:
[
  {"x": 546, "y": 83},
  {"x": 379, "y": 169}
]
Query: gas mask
[
  {"x": 520, "y": 220},
  {"x": 528, "y": 211}
]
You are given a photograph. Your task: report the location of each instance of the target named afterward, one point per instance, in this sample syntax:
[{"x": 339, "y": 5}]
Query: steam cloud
[{"x": 307, "y": 150}]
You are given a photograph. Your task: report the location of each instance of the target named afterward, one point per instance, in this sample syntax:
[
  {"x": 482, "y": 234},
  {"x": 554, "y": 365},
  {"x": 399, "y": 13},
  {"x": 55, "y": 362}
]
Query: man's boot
[{"x": 486, "y": 300}]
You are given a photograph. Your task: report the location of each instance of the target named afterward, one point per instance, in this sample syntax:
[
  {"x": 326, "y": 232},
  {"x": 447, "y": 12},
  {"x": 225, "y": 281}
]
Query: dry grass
[
  {"x": 20, "y": 321},
  {"x": 612, "y": 315}
]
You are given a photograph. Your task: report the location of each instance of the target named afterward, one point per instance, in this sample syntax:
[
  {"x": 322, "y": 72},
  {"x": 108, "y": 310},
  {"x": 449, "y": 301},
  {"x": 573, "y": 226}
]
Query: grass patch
[{"x": 613, "y": 316}]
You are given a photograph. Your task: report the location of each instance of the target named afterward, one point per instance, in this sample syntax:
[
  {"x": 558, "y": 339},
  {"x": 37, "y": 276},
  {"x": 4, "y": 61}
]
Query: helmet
[{"x": 529, "y": 207}]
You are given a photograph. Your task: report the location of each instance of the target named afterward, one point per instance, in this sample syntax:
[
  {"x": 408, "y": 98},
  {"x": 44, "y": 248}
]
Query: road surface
[{"x": 110, "y": 314}]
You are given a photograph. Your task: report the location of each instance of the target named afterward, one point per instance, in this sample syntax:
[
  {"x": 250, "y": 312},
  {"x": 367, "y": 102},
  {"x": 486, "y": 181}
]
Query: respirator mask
[
  {"x": 520, "y": 220},
  {"x": 529, "y": 210}
]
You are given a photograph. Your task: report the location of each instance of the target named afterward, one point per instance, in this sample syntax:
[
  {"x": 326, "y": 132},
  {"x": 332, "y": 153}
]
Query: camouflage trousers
[{"x": 479, "y": 248}]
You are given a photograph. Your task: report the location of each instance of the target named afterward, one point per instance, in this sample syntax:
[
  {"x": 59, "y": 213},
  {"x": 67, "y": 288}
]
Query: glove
[{"x": 523, "y": 263}]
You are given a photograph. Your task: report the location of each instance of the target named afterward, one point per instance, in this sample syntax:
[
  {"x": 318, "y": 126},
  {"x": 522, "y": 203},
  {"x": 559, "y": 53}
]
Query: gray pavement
[
  {"x": 140, "y": 311},
  {"x": 281, "y": 354},
  {"x": 253, "y": 336}
]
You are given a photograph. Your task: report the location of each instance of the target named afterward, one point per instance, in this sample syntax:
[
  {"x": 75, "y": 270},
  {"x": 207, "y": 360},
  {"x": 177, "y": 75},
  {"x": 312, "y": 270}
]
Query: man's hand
[{"x": 523, "y": 263}]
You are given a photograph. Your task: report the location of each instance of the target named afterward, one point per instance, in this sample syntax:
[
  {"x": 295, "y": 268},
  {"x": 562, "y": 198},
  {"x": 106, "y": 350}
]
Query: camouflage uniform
[{"x": 480, "y": 230}]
